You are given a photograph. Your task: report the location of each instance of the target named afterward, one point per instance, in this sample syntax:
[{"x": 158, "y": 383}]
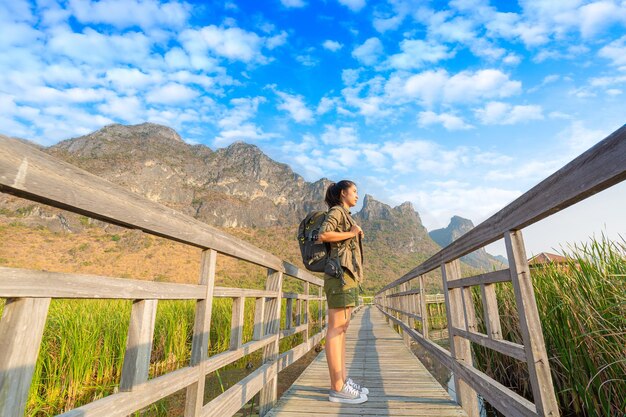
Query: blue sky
[{"x": 456, "y": 106}]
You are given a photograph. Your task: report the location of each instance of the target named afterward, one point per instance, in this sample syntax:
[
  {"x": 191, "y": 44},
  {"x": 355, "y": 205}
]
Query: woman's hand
[{"x": 356, "y": 230}]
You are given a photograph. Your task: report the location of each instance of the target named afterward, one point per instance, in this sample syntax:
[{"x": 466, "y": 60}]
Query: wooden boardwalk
[{"x": 377, "y": 356}]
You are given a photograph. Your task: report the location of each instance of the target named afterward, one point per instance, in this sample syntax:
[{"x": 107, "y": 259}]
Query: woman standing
[{"x": 341, "y": 282}]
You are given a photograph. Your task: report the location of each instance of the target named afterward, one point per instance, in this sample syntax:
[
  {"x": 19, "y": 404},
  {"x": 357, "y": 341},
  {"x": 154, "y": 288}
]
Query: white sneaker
[
  {"x": 356, "y": 386},
  {"x": 347, "y": 395}
]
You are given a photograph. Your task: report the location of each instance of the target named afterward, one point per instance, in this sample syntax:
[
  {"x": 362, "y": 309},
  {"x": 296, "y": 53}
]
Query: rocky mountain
[
  {"x": 237, "y": 186},
  {"x": 457, "y": 227},
  {"x": 399, "y": 227}
]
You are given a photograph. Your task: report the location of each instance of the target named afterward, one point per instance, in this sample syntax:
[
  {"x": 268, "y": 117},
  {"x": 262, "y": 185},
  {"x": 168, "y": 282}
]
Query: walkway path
[{"x": 377, "y": 356}]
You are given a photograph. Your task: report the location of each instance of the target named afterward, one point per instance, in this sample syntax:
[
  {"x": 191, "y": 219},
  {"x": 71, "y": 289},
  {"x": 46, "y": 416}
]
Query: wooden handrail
[
  {"x": 31, "y": 174},
  {"x": 597, "y": 169},
  {"x": 34, "y": 175}
]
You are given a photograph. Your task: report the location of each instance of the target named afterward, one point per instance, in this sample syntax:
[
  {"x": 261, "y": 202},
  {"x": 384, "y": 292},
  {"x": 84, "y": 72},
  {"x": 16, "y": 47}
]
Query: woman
[{"x": 341, "y": 282}]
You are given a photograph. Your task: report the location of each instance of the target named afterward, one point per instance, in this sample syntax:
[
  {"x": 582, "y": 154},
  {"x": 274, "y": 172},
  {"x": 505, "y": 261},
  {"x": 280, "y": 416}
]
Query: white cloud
[
  {"x": 276, "y": 40},
  {"x": 499, "y": 113},
  {"x": 369, "y": 52},
  {"x": 354, "y": 5},
  {"x": 128, "y": 109},
  {"x": 235, "y": 123},
  {"x": 465, "y": 86},
  {"x": 512, "y": 59},
  {"x": 325, "y": 105},
  {"x": 449, "y": 121},
  {"x": 293, "y": 3},
  {"x": 232, "y": 43},
  {"x": 342, "y": 135},
  {"x": 578, "y": 138},
  {"x": 295, "y": 106},
  {"x": 416, "y": 53},
  {"x": 332, "y": 45},
  {"x": 171, "y": 93},
  {"x": 438, "y": 204},
  {"x": 129, "y": 48},
  {"x": 128, "y": 13},
  {"x": 615, "y": 51}
]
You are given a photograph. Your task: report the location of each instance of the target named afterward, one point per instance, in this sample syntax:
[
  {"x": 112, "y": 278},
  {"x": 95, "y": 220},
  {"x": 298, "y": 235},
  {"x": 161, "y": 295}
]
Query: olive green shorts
[{"x": 339, "y": 296}]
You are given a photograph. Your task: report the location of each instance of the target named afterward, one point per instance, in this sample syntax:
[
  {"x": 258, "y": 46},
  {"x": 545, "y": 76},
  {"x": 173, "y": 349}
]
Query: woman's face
[{"x": 350, "y": 196}]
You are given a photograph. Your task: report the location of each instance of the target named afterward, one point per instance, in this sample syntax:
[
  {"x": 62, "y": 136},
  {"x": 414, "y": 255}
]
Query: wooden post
[
  {"x": 460, "y": 348},
  {"x": 138, "y": 345},
  {"x": 289, "y": 313},
  {"x": 490, "y": 311},
  {"x": 259, "y": 316},
  {"x": 530, "y": 326},
  {"x": 298, "y": 312},
  {"x": 269, "y": 394},
  {"x": 306, "y": 312},
  {"x": 236, "y": 323},
  {"x": 194, "y": 399},
  {"x": 21, "y": 329},
  {"x": 405, "y": 308},
  {"x": 320, "y": 305},
  {"x": 423, "y": 307}
]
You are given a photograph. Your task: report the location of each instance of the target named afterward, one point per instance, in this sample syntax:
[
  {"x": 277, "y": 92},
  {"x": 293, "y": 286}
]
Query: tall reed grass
[
  {"x": 84, "y": 341},
  {"x": 582, "y": 306}
]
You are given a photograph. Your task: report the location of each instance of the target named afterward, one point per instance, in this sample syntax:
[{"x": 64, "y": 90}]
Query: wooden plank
[
  {"x": 407, "y": 292},
  {"x": 289, "y": 314},
  {"x": 597, "y": 169},
  {"x": 503, "y": 399},
  {"x": 236, "y": 323},
  {"x": 293, "y": 330},
  {"x": 490, "y": 311},
  {"x": 530, "y": 326},
  {"x": 259, "y": 315},
  {"x": 231, "y": 401},
  {"x": 307, "y": 307},
  {"x": 124, "y": 403},
  {"x": 423, "y": 312},
  {"x": 194, "y": 399},
  {"x": 268, "y": 394},
  {"x": 511, "y": 349},
  {"x": 400, "y": 311},
  {"x": 17, "y": 282},
  {"x": 138, "y": 345},
  {"x": 21, "y": 329},
  {"x": 32, "y": 174},
  {"x": 459, "y": 348},
  {"x": 399, "y": 384},
  {"x": 302, "y": 275},
  {"x": 503, "y": 275},
  {"x": 224, "y": 292}
]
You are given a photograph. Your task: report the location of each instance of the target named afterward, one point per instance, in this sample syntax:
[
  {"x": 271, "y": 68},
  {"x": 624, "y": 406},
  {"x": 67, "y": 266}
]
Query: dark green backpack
[{"x": 314, "y": 255}]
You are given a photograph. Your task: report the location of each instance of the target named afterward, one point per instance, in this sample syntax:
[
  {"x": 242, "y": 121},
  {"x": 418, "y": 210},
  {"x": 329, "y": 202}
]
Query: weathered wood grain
[
  {"x": 138, "y": 345},
  {"x": 194, "y": 400},
  {"x": 21, "y": 330},
  {"x": 503, "y": 275},
  {"x": 511, "y": 349},
  {"x": 459, "y": 348},
  {"x": 503, "y": 399},
  {"x": 530, "y": 326}
]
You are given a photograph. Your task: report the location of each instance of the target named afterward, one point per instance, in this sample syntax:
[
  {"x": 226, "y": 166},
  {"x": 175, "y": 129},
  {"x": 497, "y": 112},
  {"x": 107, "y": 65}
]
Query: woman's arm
[{"x": 339, "y": 236}]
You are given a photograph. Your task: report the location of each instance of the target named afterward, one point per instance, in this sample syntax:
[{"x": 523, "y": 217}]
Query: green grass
[
  {"x": 83, "y": 346},
  {"x": 582, "y": 306}
]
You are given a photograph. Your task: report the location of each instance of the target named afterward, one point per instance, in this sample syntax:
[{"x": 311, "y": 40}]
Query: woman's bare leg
[
  {"x": 337, "y": 322},
  {"x": 344, "y": 372}
]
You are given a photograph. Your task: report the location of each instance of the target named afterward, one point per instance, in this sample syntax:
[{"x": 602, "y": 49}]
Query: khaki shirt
[{"x": 349, "y": 250}]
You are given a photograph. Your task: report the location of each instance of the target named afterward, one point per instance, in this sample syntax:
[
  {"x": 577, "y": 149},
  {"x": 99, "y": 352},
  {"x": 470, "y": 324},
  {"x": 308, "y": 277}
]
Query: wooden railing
[
  {"x": 599, "y": 168},
  {"x": 28, "y": 173}
]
